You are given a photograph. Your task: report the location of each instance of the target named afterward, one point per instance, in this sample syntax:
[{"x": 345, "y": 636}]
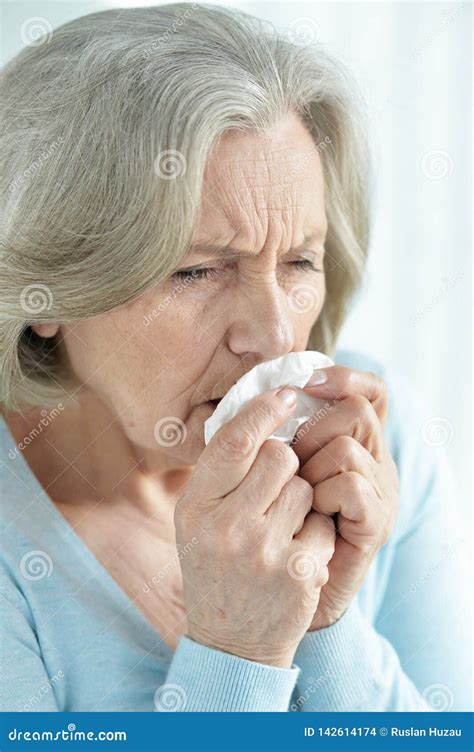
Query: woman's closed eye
[{"x": 198, "y": 273}]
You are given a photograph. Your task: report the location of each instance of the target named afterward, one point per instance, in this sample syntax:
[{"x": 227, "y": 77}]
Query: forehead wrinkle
[
  {"x": 251, "y": 200},
  {"x": 257, "y": 168},
  {"x": 251, "y": 227},
  {"x": 250, "y": 188},
  {"x": 228, "y": 252}
]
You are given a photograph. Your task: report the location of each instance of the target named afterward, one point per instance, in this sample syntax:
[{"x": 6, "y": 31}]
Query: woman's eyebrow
[{"x": 205, "y": 249}]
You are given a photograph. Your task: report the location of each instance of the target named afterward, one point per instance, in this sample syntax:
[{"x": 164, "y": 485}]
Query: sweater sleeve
[
  {"x": 417, "y": 653},
  {"x": 24, "y": 682},
  {"x": 201, "y": 678},
  {"x": 350, "y": 667}
]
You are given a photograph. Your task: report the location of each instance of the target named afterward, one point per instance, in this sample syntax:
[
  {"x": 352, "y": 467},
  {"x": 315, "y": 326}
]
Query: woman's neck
[{"x": 83, "y": 454}]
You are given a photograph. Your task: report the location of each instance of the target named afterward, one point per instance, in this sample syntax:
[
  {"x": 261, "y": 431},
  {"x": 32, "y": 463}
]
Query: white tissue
[{"x": 294, "y": 370}]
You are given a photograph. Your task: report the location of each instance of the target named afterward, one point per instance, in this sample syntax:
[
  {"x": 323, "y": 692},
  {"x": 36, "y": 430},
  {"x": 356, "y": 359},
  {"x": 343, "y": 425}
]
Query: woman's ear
[{"x": 45, "y": 330}]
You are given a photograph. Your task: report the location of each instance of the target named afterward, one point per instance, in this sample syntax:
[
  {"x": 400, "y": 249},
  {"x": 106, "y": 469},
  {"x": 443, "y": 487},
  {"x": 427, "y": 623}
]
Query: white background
[{"x": 413, "y": 61}]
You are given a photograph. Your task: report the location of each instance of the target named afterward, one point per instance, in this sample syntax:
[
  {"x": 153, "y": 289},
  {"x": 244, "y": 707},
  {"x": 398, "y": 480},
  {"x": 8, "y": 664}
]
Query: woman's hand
[
  {"x": 250, "y": 586},
  {"x": 344, "y": 456}
]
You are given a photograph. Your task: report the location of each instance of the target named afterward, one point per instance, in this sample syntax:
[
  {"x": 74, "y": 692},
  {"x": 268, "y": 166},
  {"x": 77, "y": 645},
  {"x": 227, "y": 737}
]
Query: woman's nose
[{"x": 262, "y": 324}]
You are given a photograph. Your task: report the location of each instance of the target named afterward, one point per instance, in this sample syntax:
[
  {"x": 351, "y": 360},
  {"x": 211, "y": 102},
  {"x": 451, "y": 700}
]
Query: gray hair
[{"x": 112, "y": 102}]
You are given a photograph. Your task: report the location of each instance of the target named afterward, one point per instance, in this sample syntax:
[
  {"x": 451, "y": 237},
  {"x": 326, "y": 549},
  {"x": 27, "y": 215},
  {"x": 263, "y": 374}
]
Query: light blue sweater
[{"x": 72, "y": 640}]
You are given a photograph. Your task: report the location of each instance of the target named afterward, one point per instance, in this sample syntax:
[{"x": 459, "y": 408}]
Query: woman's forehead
[
  {"x": 248, "y": 155},
  {"x": 243, "y": 206}
]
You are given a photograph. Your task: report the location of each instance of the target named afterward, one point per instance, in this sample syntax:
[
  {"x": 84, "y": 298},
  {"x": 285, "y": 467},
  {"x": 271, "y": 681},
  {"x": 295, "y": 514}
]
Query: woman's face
[{"x": 157, "y": 361}]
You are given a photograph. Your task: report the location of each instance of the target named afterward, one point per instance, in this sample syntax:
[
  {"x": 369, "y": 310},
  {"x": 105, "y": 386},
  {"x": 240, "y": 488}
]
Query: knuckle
[
  {"x": 186, "y": 528},
  {"x": 387, "y": 521},
  {"x": 181, "y": 516},
  {"x": 236, "y": 445},
  {"x": 267, "y": 556},
  {"x": 381, "y": 384},
  {"x": 360, "y": 405},
  {"x": 306, "y": 495},
  {"x": 304, "y": 565},
  {"x": 280, "y": 454},
  {"x": 330, "y": 533},
  {"x": 323, "y": 576},
  {"x": 367, "y": 547},
  {"x": 300, "y": 487},
  {"x": 228, "y": 532},
  {"x": 351, "y": 377},
  {"x": 386, "y": 533},
  {"x": 362, "y": 414},
  {"x": 394, "y": 473},
  {"x": 297, "y": 494},
  {"x": 344, "y": 449},
  {"x": 356, "y": 483}
]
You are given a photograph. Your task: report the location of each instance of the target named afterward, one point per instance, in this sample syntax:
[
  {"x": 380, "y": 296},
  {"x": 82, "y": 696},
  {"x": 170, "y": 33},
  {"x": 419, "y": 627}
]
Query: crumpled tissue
[{"x": 293, "y": 370}]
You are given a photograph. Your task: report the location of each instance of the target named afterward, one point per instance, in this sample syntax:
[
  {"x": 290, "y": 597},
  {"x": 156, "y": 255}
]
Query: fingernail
[
  {"x": 318, "y": 377},
  {"x": 287, "y": 395}
]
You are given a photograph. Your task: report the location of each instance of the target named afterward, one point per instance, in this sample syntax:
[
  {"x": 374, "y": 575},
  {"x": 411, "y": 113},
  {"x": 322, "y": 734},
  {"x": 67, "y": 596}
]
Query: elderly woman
[{"x": 199, "y": 204}]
